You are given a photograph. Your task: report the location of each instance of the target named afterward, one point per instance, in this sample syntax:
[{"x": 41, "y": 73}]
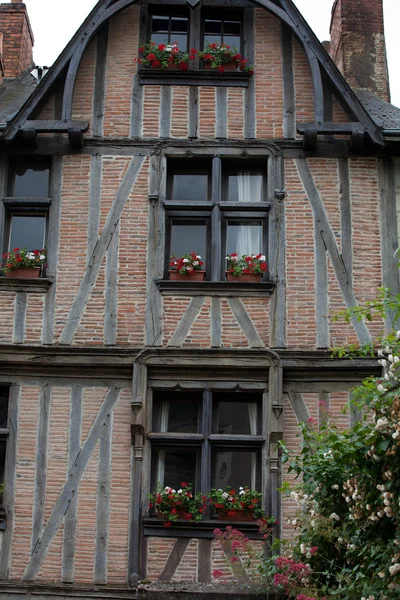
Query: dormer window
[{"x": 170, "y": 26}]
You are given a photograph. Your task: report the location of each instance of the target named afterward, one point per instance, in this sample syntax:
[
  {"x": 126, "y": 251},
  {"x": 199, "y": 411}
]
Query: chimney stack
[
  {"x": 358, "y": 45},
  {"x": 17, "y": 38}
]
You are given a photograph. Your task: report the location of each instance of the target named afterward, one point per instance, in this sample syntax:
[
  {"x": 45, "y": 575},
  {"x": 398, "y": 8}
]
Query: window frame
[
  {"x": 207, "y": 442},
  {"x": 169, "y": 11},
  {"x": 217, "y": 208},
  {"x": 25, "y": 205},
  {"x": 4, "y": 435},
  {"x": 221, "y": 14}
]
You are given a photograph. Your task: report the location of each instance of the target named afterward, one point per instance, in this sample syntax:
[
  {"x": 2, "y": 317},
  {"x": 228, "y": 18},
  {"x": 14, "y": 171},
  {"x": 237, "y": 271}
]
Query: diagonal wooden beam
[
  {"x": 299, "y": 406},
  {"x": 93, "y": 267},
  {"x": 174, "y": 559},
  {"x": 245, "y": 323},
  {"x": 325, "y": 230},
  {"x": 187, "y": 321},
  {"x": 69, "y": 490}
]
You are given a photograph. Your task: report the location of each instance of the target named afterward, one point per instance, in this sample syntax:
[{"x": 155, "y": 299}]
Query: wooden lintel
[
  {"x": 50, "y": 126},
  {"x": 329, "y": 127},
  {"x": 75, "y": 137}
]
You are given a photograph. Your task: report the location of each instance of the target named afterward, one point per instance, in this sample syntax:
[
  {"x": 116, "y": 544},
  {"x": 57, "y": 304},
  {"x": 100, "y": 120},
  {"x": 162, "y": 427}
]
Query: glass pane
[
  {"x": 187, "y": 237},
  {"x": 176, "y": 466},
  {"x": 177, "y": 412},
  {"x": 212, "y": 26},
  {"x": 179, "y": 24},
  {"x": 190, "y": 186},
  {"x": 233, "y": 41},
  {"x": 3, "y": 408},
  {"x": 244, "y": 237},
  {"x": 31, "y": 182},
  {"x": 2, "y": 460},
  {"x": 212, "y": 39},
  {"x": 159, "y": 24},
  {"x": 235, "y": 468},
  {"x": 160, "y": 38},
  {"x": 245, "y": 186},
  {"x": 27, "y": 232},
  {"x": 236, "y": 414},
  {"x": 232, "y": 28},
  {"x": 180, "y": 39}
]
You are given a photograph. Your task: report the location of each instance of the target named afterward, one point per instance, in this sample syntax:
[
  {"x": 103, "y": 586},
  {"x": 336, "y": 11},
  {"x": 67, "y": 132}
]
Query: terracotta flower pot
[
  {"x": 231, "y": 66},
  {"x": 181, "y": 512},
  {"x": 244, "y": 278},
  {"x": 240, "y": 515},
  {"x": 194, "y": 276},
  {"x": 173, "y": 67},
  {"x": 24, "y": 272}
]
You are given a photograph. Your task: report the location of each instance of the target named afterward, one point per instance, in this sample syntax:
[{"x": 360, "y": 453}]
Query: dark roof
[
  {"x": 385, "y": 115},
  {"x": 14, "y": 92}
]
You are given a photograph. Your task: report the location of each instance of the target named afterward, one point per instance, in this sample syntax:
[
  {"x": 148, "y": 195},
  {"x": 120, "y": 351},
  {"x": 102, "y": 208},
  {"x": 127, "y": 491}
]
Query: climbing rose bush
[{"x": 348, "y": 518}]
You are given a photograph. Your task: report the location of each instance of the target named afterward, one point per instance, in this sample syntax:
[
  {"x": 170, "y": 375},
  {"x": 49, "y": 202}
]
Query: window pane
[
  {"x": 177, "y": 412},
  {"x": 235, "y": 468},
  {"x": 233, "y": 41},
  {"x": 180, "y": 39},
  {"x": 245, "y": 186},
  {"x": 232, "y": 28},
  {"x": 187, "y": 236},
  {"x": 244, "y": 237},
  {"x": 159, "y": 24},
  {"x": 190, "y": 186},
  {"x": 27, "y": 232},
  {"x": 236, "y": 413},
  {"x": 179, "y": 24},
  {"x": 212, "y": 26},
  {"x": 31, "y": 182},
  {"x": 2, "y": 460},
  {"x": 176, "y": 466},
  {"x": 3, "y": 408},
  {"x": 159, "y": 38}
]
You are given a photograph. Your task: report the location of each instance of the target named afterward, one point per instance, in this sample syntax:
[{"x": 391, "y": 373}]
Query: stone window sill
[
  {"x": 20, "y": 284},
  {"x": 154, "y": 526},
  {"x": 194, "y": 77},
  {"x": 218, "y": 289}
]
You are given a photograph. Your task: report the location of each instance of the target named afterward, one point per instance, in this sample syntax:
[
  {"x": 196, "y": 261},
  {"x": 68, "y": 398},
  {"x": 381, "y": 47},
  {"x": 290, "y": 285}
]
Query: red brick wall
[{"x": 18, "y": 38}]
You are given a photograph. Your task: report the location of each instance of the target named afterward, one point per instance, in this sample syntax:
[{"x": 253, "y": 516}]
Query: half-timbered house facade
[{"x": 113, "y": 378}]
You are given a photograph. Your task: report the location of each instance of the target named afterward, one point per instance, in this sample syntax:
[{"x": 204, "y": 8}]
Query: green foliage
[{"x": 348, "y": 519}]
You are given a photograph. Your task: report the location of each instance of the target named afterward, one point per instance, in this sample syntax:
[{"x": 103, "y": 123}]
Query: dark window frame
[
  {"x": 220, "y": 14},
  {"x": 217, "y": 208},
  {"x": 4, "y": 434},
  {"x": 168, "y": 11},
  {"x": 25, "y": 205},
  {"x": 206, "y": 442}
]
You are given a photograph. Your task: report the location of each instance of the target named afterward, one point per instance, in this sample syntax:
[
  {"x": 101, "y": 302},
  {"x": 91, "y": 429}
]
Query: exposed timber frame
[{"x": 285, "y": 11}]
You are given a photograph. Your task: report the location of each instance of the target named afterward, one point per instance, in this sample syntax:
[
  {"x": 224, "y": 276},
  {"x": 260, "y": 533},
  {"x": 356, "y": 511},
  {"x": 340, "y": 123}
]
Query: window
[
  {"x": 223, "y": 28},
  {"x": 4, "y": 391},
  {"x": 216, "y": 207},
  {"x": 27, "y": 206},
  {"x": 208, "y": 438},
  {"x": 168, "y": 27}
]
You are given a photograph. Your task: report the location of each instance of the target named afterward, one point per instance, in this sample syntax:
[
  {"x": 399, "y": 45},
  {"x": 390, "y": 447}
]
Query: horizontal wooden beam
[
  {"x": 329, "y": 127},
  {"x": 199, "y": 77},
  {"x": 50, "y": 126}
]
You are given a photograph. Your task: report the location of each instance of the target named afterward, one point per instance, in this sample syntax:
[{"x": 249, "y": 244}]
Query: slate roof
[
  {"x": 385, "y": 115},
  {"x": 14, "y": 92}
]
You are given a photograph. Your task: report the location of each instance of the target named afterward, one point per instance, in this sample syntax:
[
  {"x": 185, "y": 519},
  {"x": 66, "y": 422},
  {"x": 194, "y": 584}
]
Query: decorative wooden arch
[{"x": 316, "y": 55}]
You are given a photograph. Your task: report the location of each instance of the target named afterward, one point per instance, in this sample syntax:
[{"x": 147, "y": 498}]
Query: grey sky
[{"x": 51, "y": 37}]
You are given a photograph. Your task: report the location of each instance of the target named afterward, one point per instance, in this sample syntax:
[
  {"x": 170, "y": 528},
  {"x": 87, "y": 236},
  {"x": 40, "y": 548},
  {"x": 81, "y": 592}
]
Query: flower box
[
  {"x": 24, "y": 272},
  {"x": 194, "y": 276},
  {"x": 231, "y": 66},
  {"x": 244, "y": 277},
  {"x": 235, "y": 515}
]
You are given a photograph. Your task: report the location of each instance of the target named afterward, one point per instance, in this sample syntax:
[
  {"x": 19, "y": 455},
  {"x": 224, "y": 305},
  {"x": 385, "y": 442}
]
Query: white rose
[
  {"x": 185, "y": 260},
  {"x": 42, "y": 257},
  {"x": 179, "y": 492},
  {"x": 225, "y": 495},
  {"x": 198, "y": 256},
  {"x": 262, "y": 257},
  {"x": 30, "y": 256}
]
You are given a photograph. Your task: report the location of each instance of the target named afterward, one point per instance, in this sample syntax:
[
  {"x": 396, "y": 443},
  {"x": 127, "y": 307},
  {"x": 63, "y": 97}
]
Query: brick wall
[
  {"x": 17, "y": 38},
  {"x": 358, "y": 44}
]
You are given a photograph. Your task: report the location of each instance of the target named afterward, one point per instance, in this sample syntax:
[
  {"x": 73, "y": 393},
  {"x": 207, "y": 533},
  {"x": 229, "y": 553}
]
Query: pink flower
[{"x": 216, "y": 574}]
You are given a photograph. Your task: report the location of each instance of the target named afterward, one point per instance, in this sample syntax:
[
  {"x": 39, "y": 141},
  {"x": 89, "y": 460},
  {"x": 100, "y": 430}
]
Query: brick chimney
[
  {"x": 358, "y": 45},
  {"x": 17, "y": 38}
]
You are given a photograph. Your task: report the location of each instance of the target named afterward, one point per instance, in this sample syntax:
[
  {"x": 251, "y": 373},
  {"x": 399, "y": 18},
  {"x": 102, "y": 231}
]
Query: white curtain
[
  {"x": 252, "y": 408},
  {"x": 249, "y": 187},
  {"x": 161, "y": 453}
]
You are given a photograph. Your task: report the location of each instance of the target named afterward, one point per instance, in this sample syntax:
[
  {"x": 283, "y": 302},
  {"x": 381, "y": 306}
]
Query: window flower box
[
  {"x": 164, "y": 56},
  {"x": 224, "y": 58},
  {"x": 189, "y": 266},
  {"x": 235, "y": 515},
  {"x": 194, "y": 276},
  {"x": 244, "y": 277},
  {"x": 244, "y": 268},
  {"x": 24, "y": 272},
  {"x": 23, "y": 263}
]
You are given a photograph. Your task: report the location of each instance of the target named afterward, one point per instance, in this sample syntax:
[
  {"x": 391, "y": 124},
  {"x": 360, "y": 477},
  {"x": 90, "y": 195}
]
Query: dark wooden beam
[
  {"x": 47, "y": 126},
  {"x": 75, "y": 137},
  {"x": 329, "y": 127}
]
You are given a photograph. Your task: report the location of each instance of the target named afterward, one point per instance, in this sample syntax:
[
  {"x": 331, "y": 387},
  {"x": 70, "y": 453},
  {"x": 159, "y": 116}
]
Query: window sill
[
  {"x": 198, "y": 77},
  {"x": 154, "y": 526},
  {"x": 20, "y": 284},
  {"x": 217, "y": 289}
]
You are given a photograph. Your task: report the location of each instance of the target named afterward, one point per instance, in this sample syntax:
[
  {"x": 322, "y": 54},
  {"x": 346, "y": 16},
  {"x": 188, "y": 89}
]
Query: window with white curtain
[
  {"x": 207, "y": 438},
  {"x": 215, "y": 207}
]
